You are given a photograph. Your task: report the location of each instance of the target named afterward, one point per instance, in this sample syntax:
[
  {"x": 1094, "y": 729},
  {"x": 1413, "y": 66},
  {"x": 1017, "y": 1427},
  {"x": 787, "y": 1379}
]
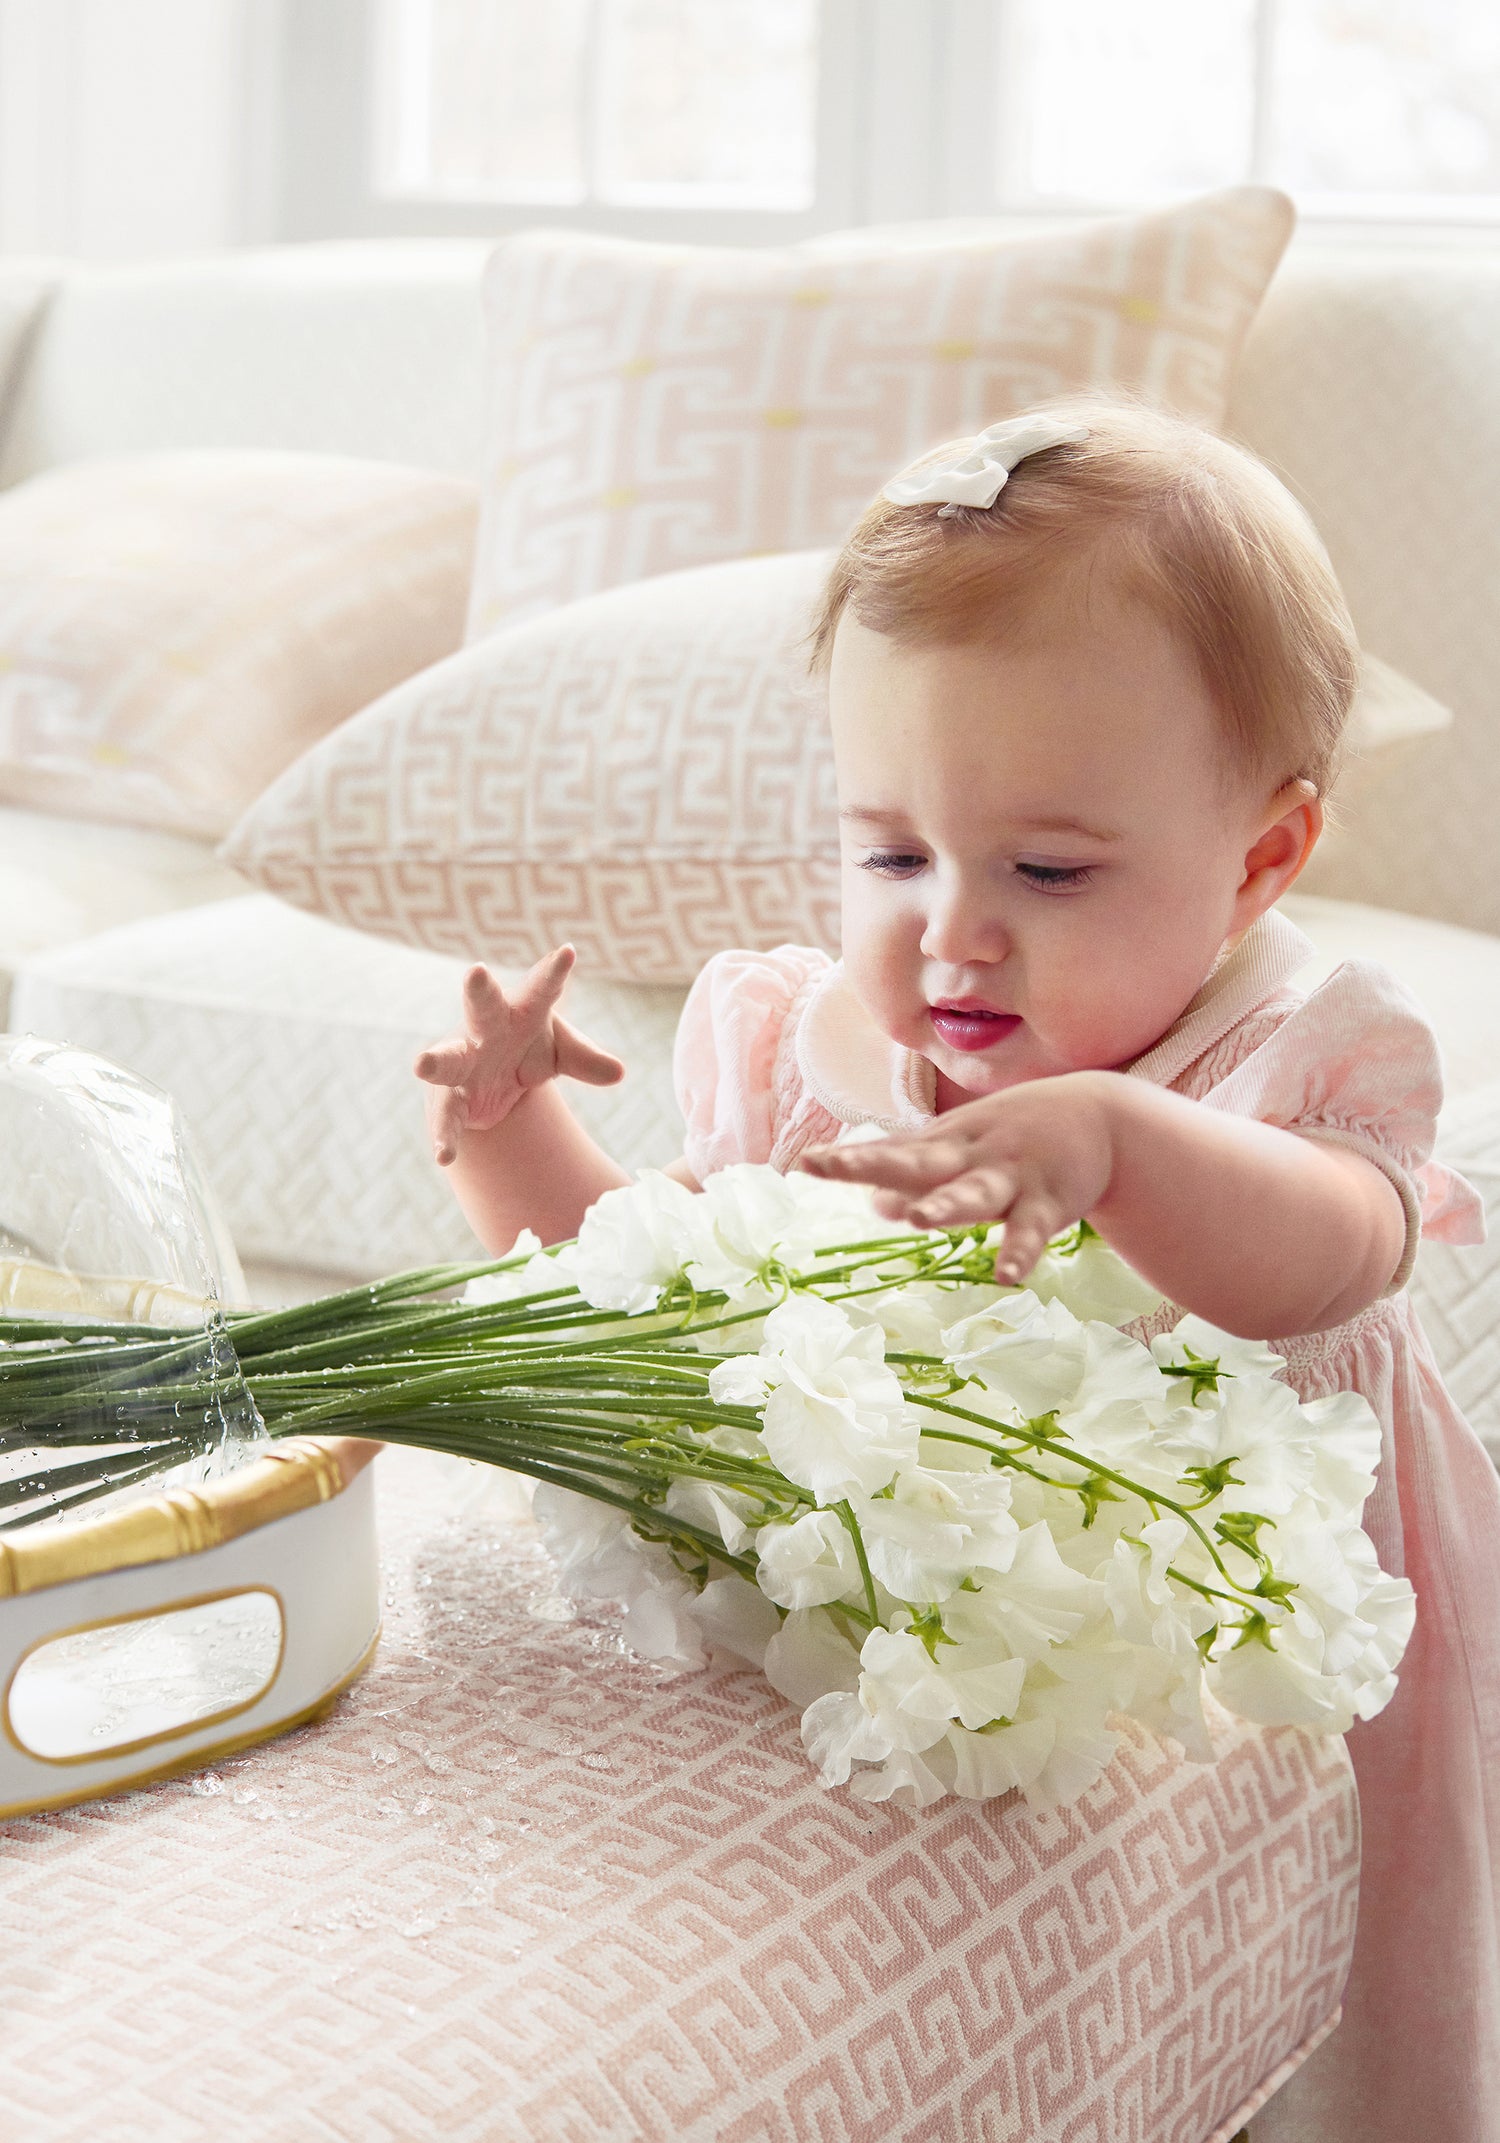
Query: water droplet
[
  {"x": 206, "y": 1783},
  {"x": 381, "y": 1752}
]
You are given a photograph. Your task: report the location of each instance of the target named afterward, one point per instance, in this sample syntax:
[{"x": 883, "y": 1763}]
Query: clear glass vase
[{"x": 107, "y": 1226}]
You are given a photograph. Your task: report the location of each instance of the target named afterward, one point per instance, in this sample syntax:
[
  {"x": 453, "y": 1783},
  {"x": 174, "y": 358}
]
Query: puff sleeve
[
  {"x": 728, "y": 1051},
  {"x": 1355, "y": 1063}
]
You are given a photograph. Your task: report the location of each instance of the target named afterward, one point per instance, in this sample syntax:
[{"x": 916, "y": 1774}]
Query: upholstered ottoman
[{"x": 520, "y": 1885}]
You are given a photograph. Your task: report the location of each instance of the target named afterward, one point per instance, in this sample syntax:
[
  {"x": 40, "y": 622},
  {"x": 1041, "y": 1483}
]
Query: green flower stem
[{"x": 858, "y": 1538}]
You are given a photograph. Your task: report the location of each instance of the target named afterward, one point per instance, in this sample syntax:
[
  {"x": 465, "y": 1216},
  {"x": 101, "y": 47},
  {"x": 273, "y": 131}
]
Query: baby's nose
[{"x": 960, "y": 933}]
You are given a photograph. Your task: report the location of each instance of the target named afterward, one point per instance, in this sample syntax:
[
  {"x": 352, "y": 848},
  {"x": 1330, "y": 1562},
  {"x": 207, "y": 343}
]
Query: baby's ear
[{"x": 1276, "y": 857}]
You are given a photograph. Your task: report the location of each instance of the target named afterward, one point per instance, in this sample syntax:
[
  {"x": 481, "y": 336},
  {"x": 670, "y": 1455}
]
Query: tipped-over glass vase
[{"x": 107, "y": 1229}]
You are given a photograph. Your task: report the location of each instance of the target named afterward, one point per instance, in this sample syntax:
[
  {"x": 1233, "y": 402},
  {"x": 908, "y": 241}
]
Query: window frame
[{"x": 906, "y": 123}]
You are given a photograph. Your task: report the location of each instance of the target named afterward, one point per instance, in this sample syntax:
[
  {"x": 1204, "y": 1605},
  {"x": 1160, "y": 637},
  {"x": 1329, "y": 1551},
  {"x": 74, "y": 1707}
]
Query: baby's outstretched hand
[
  {"x": 1036, "y": 1156},
  {"x": 510, "y": 1044}
]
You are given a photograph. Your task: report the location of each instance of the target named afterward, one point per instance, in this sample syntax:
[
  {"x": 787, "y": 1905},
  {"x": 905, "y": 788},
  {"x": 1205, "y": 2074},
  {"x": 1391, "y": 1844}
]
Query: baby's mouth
[{"x": 965, "y": 1023}]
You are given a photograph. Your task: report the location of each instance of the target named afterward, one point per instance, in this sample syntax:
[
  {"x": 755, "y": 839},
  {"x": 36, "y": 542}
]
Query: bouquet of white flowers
[{"x": 963, "y": 1527}]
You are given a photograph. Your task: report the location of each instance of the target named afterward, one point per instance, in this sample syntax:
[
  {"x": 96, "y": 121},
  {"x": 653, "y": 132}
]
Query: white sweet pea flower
[
  {"x": 1095, "y": 1283},
  {"x": 836, "y": 1420},
  {"x": 633, "y": 1243},
  {"x": 1138, "y": 1590},
  {"x": 592, "y": 1545},
  {"x": 985, "y": 1765},
  {"x": 1277, "y": 1686},
  {"x": 1344, "y": 1432},
  {"x": 838, "y": 1733},
  {"x": 935, "y": 1529},
  {"x": 808, "y": 1563},
  {"x": 731, "y": 1614},
  {"x": 1038, "y": 1603},
  {"x": 1264, "y": 1432},
  {"x": 1193, "y": 1337},
  {"x": 661, "y": 1624},
  {"x": 751, "y": 1217},
  {"x": 808, "y": 1658},
  {"x": 914, "y": 1318},
  {"x": 712, "y": 1510},
  {"x": 1029, "y": 1356},
  {"x": 912, "y": 1695},
  {"x": 601, "y": 1558},
  {"x": 908, "y": 1778},
  {"x": 742, "y": 1380},
  {"x": 1082, "y": 1745},
  {"x": 539, "y": 1275}
]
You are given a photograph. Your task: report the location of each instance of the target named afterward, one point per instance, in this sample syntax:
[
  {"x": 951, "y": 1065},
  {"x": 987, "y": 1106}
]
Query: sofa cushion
[
  {"x": 63, "y": 880},
  {"x": 654, "y": 407},
  {"x": 174, "y": 629},
  {"x": 647, "y": 773}
]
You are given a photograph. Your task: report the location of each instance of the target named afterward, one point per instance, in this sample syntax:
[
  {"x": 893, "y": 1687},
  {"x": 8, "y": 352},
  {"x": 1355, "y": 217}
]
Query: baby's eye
[
  {"x": 892, "y": 863},
  {"x": 1053, "y": 876}
]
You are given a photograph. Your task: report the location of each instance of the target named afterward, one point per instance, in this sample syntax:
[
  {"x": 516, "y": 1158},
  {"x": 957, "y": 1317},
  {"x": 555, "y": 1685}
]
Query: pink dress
[{"x": 775, "y": 1053}]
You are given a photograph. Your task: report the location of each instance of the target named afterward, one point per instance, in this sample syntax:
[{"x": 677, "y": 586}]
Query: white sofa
[{"x": 1367, "y": 381}]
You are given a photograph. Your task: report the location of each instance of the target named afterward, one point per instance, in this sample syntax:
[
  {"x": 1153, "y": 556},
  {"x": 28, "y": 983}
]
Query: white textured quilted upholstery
[
  {"x": 63, "y": 879},
  {"x": 1457, "y": 1292},
  {"x": 288, "y": 1042}
]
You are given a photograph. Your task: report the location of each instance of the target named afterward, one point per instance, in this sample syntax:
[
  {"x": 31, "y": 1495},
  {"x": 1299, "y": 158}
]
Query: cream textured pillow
[
  {"x": 647, "y": 773},
  {"x": 176, "y": 628},
  {"x": 654, "y": 407}
]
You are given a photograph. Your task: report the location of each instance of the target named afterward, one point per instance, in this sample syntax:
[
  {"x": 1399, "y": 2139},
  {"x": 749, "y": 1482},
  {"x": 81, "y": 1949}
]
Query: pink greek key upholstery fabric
[
  {"x": 520, "y": 1885},
  {"x": 176, "y": 628},
  {"x": 661, "y": 406}
]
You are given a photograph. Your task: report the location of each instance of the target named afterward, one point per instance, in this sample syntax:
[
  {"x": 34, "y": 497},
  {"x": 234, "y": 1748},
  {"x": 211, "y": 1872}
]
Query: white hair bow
[{"x": 977, "y": 476}]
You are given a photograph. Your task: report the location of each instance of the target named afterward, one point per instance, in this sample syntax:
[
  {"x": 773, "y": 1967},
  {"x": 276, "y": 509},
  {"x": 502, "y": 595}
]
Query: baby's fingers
[
  {"x": 446, "y": 1119},
  {"x": 910, "y": 1166},
  {"x": 578, "y": 1058},
  {"x": 1029, "y": 1227},
  {"x": 982, "y": 1194},
  {"x": 445, "y": 1063},
  {"x": 542, "y": 985}
]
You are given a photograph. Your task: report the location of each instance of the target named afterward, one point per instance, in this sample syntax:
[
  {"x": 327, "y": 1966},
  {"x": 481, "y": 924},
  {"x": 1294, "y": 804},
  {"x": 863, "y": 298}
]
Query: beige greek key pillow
[
  {"x": 655, "y": 407},
  {"x": 647, "y": 773},
  {"x": 176, "y": 628}
]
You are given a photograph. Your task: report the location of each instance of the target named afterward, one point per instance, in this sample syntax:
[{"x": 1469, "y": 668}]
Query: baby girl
[{"x": 1087, "y": 678}]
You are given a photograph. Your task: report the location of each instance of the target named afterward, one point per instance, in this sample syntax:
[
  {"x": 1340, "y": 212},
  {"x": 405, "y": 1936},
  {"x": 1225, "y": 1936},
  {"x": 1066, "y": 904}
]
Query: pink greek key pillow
[
  {"x": 656, "y": 407},
  {"x": 176, "y": 628},
  {"x": 647, "y": 772}
]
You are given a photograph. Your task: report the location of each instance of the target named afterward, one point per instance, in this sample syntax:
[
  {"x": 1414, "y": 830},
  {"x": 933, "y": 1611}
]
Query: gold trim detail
[
  {"x": 197, "y": 1759},
  {"x": 164, "y": 1733},
  {"x": 291, "y": 1476}
]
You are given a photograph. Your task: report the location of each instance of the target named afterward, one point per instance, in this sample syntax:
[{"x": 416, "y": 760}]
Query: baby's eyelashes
[
  {"x": 893, "y": 864},
  {"x": 1055, "y": 875}
]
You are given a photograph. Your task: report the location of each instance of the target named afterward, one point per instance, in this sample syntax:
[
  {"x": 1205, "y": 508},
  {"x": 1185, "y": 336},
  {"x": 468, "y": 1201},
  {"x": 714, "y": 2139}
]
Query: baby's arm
[
  {"x": 1260, "y": 1231},
  {"x": 518, "y": 1156}
]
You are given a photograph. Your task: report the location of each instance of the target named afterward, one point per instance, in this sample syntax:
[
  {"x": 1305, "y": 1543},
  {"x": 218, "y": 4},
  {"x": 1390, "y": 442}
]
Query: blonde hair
[{"x": 1197, "y": 531}]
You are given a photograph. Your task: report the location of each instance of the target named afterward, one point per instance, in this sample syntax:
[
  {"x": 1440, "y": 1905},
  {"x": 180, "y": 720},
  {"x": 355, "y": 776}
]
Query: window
[
  {"x": 1373, "y": 107},
  {"x": 630, "y": 103},
  {"x": 760, "y": 119}
]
